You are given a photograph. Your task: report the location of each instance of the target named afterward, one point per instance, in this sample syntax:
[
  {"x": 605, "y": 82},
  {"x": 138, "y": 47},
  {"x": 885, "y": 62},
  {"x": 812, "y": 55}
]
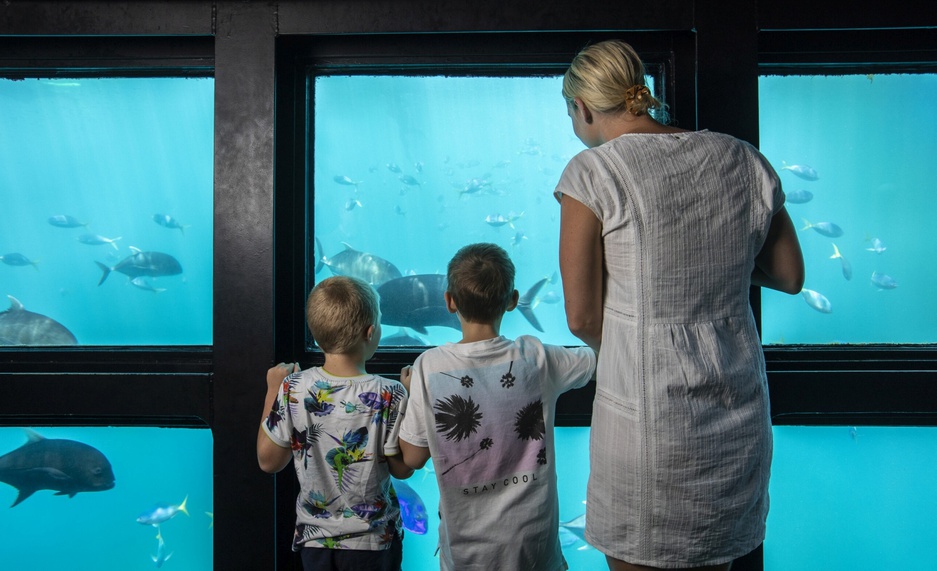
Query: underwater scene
[
  {"x": 108, "y": 203},
  {"x": 414, "y": 168},
  {"x": 106, "y": 498},
  {"x": 855, "y": 154}
]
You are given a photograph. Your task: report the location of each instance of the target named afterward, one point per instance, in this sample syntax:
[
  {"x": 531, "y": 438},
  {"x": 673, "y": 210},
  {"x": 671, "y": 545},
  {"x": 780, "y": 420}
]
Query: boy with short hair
[
  {"x": 484, "y": 409},
  {"x": 339, "y": 426}
]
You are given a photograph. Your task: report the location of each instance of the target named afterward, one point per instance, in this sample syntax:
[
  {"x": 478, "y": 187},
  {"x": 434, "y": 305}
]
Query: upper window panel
[
  {"x": 855, "y": 157},
  {"x": 107, "y": 232},
  {"x": 408, "y": 169}
]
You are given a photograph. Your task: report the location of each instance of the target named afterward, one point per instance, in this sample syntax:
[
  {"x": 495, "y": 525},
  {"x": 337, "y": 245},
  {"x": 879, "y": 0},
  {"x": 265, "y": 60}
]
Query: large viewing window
[{"x": 107, "y": 186}]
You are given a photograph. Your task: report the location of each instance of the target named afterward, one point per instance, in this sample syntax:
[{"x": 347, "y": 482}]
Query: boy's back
[
  {"x": 486, "y": 411},
  {"x": 339, "y": 428}
]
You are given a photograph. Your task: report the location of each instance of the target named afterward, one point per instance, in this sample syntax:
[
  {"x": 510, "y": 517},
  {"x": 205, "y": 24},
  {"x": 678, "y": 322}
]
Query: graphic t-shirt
[
  {"x": 339, "y": 429},
  {"x": 486, "y": 412}
]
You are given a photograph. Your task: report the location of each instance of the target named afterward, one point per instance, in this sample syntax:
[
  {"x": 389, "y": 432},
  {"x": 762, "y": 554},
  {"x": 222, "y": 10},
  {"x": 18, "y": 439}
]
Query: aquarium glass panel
[
  {"x": 846, "y": 498},
  {"x": 855, "y": 156},
  {"x": 128, "y": 498},
  {"x": 406, "y": 170},
  {"x": 422, "y": 533},
  {"x": 107, "y": 227}
]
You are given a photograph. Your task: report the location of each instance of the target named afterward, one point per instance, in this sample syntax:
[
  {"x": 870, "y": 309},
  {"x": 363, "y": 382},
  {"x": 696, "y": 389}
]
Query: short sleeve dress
[{"x": 681, "y": 442}]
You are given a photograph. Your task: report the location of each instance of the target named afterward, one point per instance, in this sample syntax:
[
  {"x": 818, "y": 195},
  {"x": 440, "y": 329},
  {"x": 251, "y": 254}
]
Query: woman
[{"x": 663, "y": 231}]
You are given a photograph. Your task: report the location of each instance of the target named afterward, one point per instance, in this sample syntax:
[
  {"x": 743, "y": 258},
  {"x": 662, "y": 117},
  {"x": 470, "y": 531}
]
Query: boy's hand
[
  {"x": 277, "y": 373},
  {"x": 405, "y": 374}
]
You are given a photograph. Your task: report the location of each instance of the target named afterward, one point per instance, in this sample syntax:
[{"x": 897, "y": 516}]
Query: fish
[
  {"x": 412, "y": 508},
  {"x": 409, "y": 180},
  {"x": 342, "y": 179},
  {"x": 139, "y": 263},
  {"x": 65, "y": 221},
  {"x": 66, "y": 466},
  {"x": 474, "y": 185},
  {"x": 161, "y": 513},
  {"x": 98, "y": 240},
  {"x": 576, "y": 526},
  {"x": 805, "y": 172},
  {"x": 168, "y": 221},
  {"x": 17, "y": 259},
  {"x": 498, "y": 220},
  {"x": 21, "y": 327},
  {"x": 351, "y": 203},
  {"x": 847, "y": 267},
  {"x": 526, "y": 302},
  {"x": 883, "y": 281},
  {"x": 392, "y": 167},
  {"x": 550, "y": 297},
  {"x": 417, "y": 302},
  {"x": 817, "y": 300},
  {"x": 518, "y": 239},
  {"x": 799, "y": 196},
  {"x": 350, "y": 262},
  {"x": 827, "y": 229},
  {"x": 141, "y": 283},
  {"x": 161, "y": 556},
  {"x": 403, "y": 338},
  {"x": 418, "y": 166},
  {"x": 877, "y": 246}
]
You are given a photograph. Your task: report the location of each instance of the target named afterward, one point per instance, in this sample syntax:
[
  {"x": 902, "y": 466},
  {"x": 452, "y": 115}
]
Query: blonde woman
[{"x": 663, "y": 231}]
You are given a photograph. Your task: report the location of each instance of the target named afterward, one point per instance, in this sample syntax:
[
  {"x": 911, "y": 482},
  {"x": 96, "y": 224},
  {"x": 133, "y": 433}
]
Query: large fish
[
  {"x": 350, "y": 262},
  {"x": 66, "y": 466},
  {"x": 139, "y": 263},
  {"x": 412, "y": 508},
  {"x": 21, "y": 327},
  {"x": 417, "y": 302},
  {"x": 66, "y": 221}
]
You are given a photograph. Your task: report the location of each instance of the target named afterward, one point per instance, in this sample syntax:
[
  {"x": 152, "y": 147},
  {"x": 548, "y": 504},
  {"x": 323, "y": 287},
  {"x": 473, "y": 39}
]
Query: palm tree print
[
  {"x": 528, "y": 422},
  {"x": 466, "y": 380},
  {"x": 507, "y": 379},
  {"x": 457, "y": 417},
  {"x": 485, "y": 444}
]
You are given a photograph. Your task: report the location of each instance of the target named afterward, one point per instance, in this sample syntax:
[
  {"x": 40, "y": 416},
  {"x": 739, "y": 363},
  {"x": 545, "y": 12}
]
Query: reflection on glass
[
  {"x": 406, "y": 170},
  {"x": 106, "y": 498},
  {"x": 107, "y": 186},
  {"x": 852, "y": 498},
  {"x": 855, "y": 156},
  {"x": 422, "y": 532}
]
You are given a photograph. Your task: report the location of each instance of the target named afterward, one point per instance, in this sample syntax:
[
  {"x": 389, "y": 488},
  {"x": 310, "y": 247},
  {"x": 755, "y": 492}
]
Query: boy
[
  {"x": 483, "y": 408},
  {"x": 338, "y": 423}
]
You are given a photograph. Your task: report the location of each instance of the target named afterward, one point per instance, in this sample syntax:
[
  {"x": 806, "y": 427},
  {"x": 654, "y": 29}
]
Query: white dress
[{"x": 681, "y": 443}]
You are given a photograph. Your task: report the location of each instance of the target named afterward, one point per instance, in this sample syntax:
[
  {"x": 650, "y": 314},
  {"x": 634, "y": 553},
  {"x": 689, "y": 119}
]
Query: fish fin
[
  {"x": 31, "y": 434},
  {"x": 114, "y": 244},
  {"x": 106, "y": 270},
  {"x": 348, "y": 246},
  {"x": 15, "y": 304},
  {"x": 836, "y": 253},
  {"x": 420, "y": 329},
  {"x": 182, "y": 506},
  {"x": 527, "y": 312},
  {"x": 320, "y": 259},
  {"x": 24, "y": 493},
  {"x": 135, "y": 250}
]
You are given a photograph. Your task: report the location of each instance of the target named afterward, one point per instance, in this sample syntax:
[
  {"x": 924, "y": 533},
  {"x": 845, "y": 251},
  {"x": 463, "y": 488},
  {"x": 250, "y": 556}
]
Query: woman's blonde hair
[
  {"x": 609, "y": 78},
  {"x": 338, "y": 312}
]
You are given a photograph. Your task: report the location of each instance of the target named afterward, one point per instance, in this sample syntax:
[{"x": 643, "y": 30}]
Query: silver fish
[
  {"x": 805, "y": 172},
  {"x": 98, "y": 240},
  {"x": 350, "y": 262},
  {"x": 65, "y": 221},
  {"x": 827, "y": 229},
  {"x": 877, "y": 246},
  {"x": 140, "y": 263},
  {"x": 817, "y": 300},
  {"x": 17, "y": 259},
  {"x": 342, "y": 179},
  {"x": 799, "y": 196},
  {"x": 847, "y": 267},
  {"x": 167, "y": 221},
  {"x": 21, "y": 327},
  {"x": 883, "y": 281}
]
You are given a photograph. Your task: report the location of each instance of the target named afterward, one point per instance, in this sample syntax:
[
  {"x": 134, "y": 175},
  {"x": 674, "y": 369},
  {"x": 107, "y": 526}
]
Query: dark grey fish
[
  {"x": 66, "y": 466},
  {"x": 416, "y": 302},
  {"x": 139, "y": 263},
  {"x": 65, "y": 221},
  {"x": 21, "y": 327},
  {"x": 799, "y": 196},
  {"x": 17, "y": 259},
  {"x": 350, "y": 262}
]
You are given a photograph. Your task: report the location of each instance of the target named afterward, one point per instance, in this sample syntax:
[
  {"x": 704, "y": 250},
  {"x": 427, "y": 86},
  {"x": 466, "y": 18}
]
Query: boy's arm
[
  {"x": 413, "y": 456},
  {"x": 398, "y": 468},
  {"x": 271, "y": 456}
]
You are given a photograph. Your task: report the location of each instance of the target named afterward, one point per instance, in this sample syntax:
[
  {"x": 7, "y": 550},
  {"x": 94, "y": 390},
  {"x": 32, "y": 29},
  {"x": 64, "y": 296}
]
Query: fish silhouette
[
  {"x": 21, "y": 327},
  {"x": 140, "y": 263},
  {"x": 362, "y": 265},
  {"x": 66, "y": 466}
]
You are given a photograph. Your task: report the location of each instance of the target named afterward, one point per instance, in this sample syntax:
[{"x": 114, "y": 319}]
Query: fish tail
[
  {"x": 808, "y": 224},
  {"x": 320, "y": 259},
  {"x": 105, "y": 269},
  {"x": 836, "y": 253},
  {"x": 182, "y": 506},
  {"x": 113, "y": 242}
]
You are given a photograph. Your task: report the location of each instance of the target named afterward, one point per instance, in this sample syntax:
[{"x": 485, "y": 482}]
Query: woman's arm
[
  {"x": 780, "y": 263},
  {"x": 581, "y": 265},
  {"x": 398, "y": 468}
]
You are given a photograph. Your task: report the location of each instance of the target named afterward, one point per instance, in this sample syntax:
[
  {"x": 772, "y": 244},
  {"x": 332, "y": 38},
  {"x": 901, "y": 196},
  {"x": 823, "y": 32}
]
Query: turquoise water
[
  {"x": 111, "y": 154},
  {"x": 871, "y": 141},
  {"x": 94, "y": 531}
]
